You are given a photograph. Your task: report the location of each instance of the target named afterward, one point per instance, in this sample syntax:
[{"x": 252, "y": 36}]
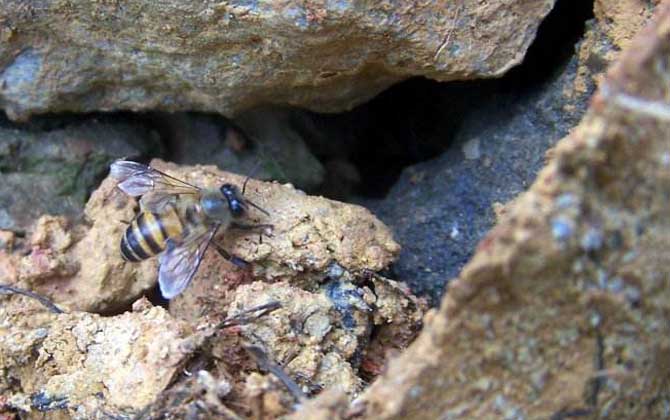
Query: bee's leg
[
  {"x": 232, "y": 258},
  {"x": 244, "y": 226}
]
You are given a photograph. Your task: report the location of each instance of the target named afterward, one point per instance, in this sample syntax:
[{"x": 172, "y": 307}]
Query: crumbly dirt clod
[
  {"x": 86, "y": 363},
  {"x": 318, "y": 261},
  {"x": 309, "y": 233}
]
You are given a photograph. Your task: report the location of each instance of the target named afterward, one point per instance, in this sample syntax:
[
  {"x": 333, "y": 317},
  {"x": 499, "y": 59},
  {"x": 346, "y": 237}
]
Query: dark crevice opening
[{"x": 417, "y": 120}]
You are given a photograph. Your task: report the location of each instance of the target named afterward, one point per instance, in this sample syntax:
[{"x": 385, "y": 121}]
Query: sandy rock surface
[
  {"x": 80, "y": 266},
  {"x": 337, "y": 325},
  {"x": 309, "y": 233},
  {"x": 230, "y": 56},
  {"x": 563, "y": 309},
  {"x": 87, "y": 363}
]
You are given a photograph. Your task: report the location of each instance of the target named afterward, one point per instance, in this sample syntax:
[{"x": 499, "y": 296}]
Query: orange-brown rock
[{"x": 563, "y": 311}]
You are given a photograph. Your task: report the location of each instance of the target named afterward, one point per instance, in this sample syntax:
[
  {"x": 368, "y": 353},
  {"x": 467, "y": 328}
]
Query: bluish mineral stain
[
  {"x": 41, "y": 401},
  {"x": 297, "y": 15},
  {"x": 252, "y": 5},
  {"x": 566, "y": 201},
  {"x": 338, "y": 5},
  {"x": 22, "y": 73},
  {"x": 562, "y": 229},
  {"x": 346, "y": 299},
  {"x": 592, "y": 240}
]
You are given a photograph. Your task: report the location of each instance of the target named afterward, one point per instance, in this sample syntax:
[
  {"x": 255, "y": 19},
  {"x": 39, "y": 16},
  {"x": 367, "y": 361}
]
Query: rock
[
  {"x": 614, "y": 26},
  {"x": 320, "y": 341},
  {"x": 304, "y": 336},
  {"x": 80, "y": 266},
  {"x": 309, "y": 232},
  {"x": 53, "y": 171},
  {"x": 539, "y": 326},
  {"x": 88, "y": 364},
  {"x": 281, "y": 148},
  {"x": 621, "y": 20},
  {"x": 439, "y": 210},
  {"x": 397, "y": 317},
  {"x": 261, "y": 144},
  {"x": 229, "y": 57}
]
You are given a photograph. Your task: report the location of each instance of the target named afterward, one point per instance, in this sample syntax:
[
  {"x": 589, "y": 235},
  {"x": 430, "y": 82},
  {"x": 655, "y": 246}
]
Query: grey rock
[
  {"x": 230, "y": 56},
  {"x": 439, "y": 210},
  {"x": 260, "y": 143},
  {"x": 54, "y": 170}
]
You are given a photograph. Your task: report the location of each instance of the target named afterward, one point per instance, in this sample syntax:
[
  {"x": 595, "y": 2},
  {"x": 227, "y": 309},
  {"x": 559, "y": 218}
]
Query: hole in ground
[{"x": 418, "y": 119}]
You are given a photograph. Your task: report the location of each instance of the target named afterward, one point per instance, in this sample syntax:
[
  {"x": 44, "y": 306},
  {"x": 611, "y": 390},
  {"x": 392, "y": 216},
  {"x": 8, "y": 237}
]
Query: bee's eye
[{"x": 235, "y": 203}]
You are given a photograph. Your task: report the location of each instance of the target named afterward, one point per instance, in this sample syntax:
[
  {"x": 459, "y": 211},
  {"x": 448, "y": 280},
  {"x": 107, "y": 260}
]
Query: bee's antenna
[
  {"x": 251, "y": 173},
  {"x": 254, "y": 205}
]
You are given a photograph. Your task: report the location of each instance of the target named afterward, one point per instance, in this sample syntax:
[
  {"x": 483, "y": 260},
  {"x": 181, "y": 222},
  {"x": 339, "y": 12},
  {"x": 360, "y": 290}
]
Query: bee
[{"x": 178, "y": 221}]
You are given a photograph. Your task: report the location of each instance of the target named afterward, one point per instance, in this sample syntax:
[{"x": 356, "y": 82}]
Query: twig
[
  {"x": 249, "y": 315},
  {"x": 266, "y": 364},
  {"x": 244, "y": 317},
  {"x": 7, "y": 289}
]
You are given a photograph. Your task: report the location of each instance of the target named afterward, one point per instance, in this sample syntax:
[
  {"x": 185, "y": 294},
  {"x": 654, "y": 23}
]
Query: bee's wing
[
  {"x": 155, "y": 201},
  {"x": 136, "y": 179},
  {"x": 179, "y": 263}
]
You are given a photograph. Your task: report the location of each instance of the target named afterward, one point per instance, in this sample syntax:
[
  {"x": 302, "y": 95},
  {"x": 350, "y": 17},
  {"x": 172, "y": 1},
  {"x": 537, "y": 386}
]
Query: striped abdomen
[{"x": 147, "y": 235}]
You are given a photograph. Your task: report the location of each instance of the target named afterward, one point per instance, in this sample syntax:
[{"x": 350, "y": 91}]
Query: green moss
[{"x": 76, "y": 178}]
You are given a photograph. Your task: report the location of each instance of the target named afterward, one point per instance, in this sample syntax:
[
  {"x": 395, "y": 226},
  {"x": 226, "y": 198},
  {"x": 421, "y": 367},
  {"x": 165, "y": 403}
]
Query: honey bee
[{"x": 177, "y": 221}]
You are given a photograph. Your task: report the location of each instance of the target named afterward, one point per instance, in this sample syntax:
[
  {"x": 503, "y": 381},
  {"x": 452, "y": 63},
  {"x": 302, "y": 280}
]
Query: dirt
[{"x": 336, "y": 316}]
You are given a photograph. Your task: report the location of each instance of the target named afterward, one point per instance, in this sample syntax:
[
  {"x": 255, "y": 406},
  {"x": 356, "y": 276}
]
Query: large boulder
[{"x": 229, "y": 56}]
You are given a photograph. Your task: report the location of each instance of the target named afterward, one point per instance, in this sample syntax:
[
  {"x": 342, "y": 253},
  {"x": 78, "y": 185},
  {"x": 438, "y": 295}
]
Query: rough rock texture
[
  {"x": 230, "y": 56},
  {"x": 80, "y": 266},
  {"x": 151, "y": 364},
  {"x": 47, "y": 169},
  {"x": 260, "y": 143},
  {"x": 615, "y": 24},
  {"x": 85, "y": 363},
  {"x": 306, "y": 336},
  {"x": 563, "y": 310},
  {"x": 439, "y": 210},
  {"x": 309, "y": 232},
  {"x": 621, "y": 20}
]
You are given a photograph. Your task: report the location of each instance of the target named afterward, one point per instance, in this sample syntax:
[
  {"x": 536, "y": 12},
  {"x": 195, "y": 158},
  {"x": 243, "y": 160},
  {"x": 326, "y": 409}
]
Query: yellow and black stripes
[{"x": 147, "y": 235}]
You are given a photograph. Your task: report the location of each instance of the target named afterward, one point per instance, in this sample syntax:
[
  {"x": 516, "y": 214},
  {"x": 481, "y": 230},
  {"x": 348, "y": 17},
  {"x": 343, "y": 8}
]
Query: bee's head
[{"x": 236, "y": 203}]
